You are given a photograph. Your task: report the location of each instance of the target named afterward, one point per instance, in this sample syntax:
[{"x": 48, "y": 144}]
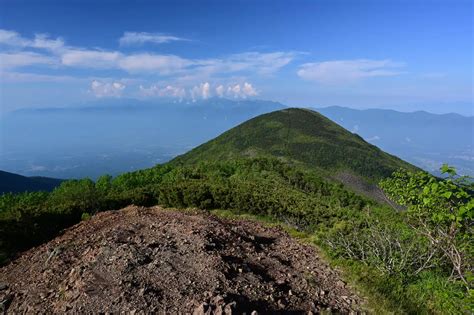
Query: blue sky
[{"x": 404, "y": 55}]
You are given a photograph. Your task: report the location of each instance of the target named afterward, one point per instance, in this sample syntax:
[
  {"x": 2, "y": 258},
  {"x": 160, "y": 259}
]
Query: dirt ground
[{"x": 142, "y": 260}]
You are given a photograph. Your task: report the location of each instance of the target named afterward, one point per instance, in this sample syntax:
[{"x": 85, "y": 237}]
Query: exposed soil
[{"x": 154, "y": 260}]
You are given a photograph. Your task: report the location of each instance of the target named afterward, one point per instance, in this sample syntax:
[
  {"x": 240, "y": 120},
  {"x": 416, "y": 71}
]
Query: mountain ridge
[
  {"x": 421, "y": 138},
  {"x": 317, "y": 108}
]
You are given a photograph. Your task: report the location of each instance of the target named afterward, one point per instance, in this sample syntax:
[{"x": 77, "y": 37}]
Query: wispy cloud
[
  {"x": 255, "y": 62},
  {"x": 22, "y": 59},
  {"x": 343, "y": 71},
  {"x": 45, "y": 42},
  {"x": 11, "y": 38},
  {"x": 40, "y": 41},
  {"x": 42, "y": 49},
  {"x": 90, "y": 58},
  {"x": 140, "y": 38}
]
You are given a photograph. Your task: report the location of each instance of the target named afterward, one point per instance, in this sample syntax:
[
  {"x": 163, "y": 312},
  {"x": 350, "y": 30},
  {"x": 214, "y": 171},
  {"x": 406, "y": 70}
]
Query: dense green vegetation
[
  {"x": 382, "y": 249},
  {"x": 256, "y": 186},
  {"x": 303, "y": 137}
]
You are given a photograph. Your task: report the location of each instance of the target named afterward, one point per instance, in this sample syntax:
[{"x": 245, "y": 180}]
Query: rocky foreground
[{"x": 154, "y": 260}]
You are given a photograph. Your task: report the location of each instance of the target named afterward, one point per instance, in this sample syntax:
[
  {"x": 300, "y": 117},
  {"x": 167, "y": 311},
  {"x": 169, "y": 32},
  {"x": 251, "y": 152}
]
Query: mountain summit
[{"x": 300, "y": 136}]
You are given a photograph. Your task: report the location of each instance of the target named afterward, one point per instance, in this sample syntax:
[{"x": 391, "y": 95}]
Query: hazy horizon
[{"x": 122, "y": 101}]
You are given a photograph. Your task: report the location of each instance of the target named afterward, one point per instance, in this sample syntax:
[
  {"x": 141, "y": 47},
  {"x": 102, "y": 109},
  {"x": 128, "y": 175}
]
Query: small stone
[
  {"x": 229, "y": 308},
  {"x": 281, "y": 304},
  {"x": 218, "y": 300},
  {"x": 201, "y": 309},
  {"x": 290, "y": 293},
  {"x": 3, "y": 286},
  {"x": 254, "y": 313}
]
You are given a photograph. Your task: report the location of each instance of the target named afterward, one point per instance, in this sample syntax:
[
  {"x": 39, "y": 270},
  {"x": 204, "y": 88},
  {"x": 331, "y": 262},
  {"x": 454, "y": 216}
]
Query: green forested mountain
[
  {"x": 10, "y": 182},
  {"x": 303, "y": 137}
]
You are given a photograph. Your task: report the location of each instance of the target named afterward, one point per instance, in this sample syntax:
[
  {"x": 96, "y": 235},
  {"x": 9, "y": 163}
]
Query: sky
[{"x": 398, "y": 54}]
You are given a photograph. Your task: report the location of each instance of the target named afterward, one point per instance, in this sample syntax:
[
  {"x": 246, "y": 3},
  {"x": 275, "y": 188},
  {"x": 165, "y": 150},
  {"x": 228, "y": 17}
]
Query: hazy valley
[{"x": 118, "y": 136}]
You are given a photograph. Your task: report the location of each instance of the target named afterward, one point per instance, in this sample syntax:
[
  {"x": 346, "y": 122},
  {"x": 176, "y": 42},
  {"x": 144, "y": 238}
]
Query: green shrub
[{"x": 392, "y": 260}]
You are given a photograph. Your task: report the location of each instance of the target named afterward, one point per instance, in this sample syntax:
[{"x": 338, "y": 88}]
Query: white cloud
[
  {"x": 205, "y": 87},
  {"x": 202, "y": 91},
  {"x": 107, "y": 89},
  {"x": 21, "y": 59},
  {"x": 194, "y": 70},
  {"x": 191, "y": 77},
  {"x": 234, "y": 90},
  {"x": 220, "y": 90},
  {"x": 263, "y": 63},
  {"x": 11, "y": 38},
  {"x": 134, "y": 38},
  {"x": 342, "y": 71},
  {"x": 90, "y": 58},
  {"x": 241, "y": 91},
  {"x": 248, "y": 90},
  {"x": 41, "y": 41}
]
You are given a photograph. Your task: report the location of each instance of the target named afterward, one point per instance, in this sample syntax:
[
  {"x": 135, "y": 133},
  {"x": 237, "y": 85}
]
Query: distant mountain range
[
  {"x": 14, "y": 183},
  {"x": 424, "y": 139},
  {"x": 116, "y": 136}
]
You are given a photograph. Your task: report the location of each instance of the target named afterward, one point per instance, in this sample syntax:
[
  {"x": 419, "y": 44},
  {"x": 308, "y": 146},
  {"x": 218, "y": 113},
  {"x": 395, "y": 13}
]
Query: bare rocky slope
[{"x": 154, "y": 260}]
